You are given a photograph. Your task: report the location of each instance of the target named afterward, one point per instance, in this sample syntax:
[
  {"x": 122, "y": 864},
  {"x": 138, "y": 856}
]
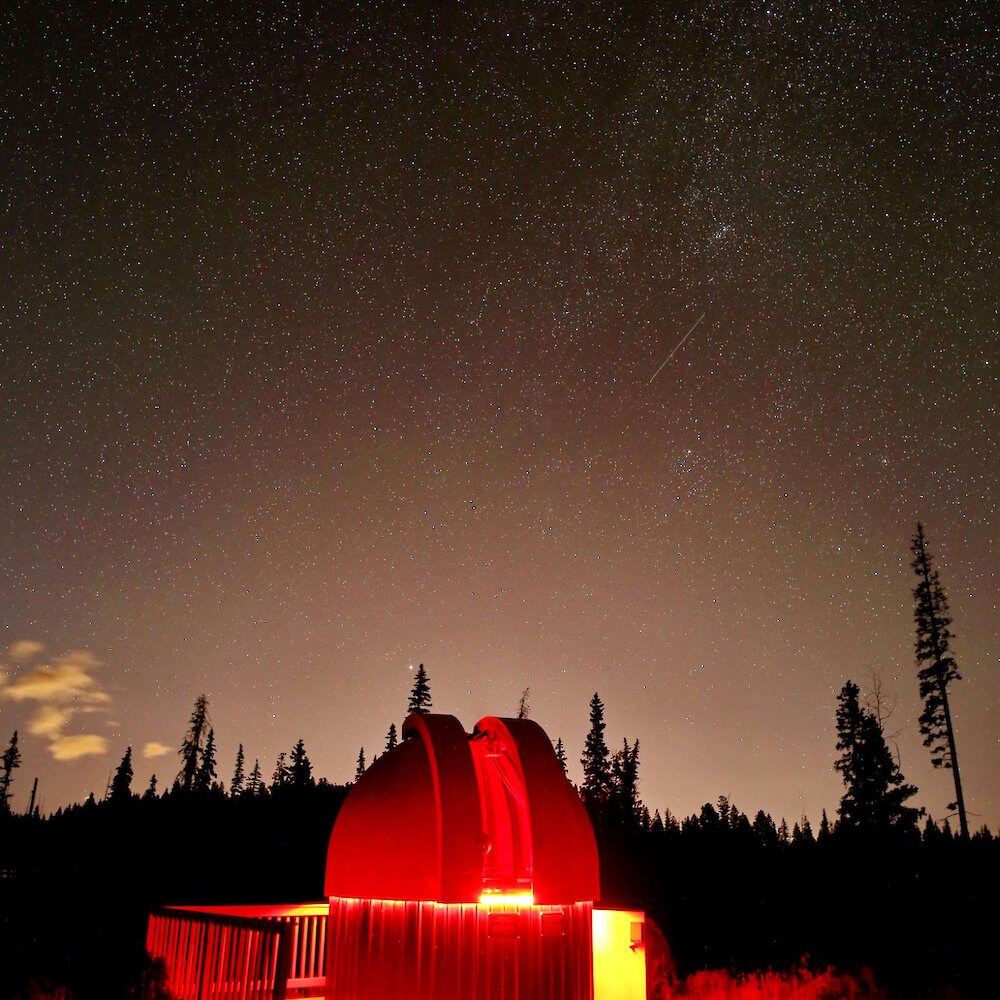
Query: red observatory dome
[{"x": 452, "y": 817}]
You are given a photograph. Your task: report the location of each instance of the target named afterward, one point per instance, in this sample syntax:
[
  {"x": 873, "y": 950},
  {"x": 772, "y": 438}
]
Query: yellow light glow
[
  {"x": 507, "y": 899},
  {"x": 619, "y": 955}
]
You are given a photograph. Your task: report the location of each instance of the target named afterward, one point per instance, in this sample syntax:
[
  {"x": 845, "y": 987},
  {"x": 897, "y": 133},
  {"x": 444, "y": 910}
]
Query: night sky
[{"x": 340, "y": 338}]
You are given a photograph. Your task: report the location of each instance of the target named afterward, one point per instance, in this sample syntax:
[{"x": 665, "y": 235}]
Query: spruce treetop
[
  {"x": 11, "y": 761},
  {"x": 420, "y": 695},
  {"x": 121, "y": 783},
  {"x": 596, "y": 759},
  {"x": 193, "y": 744},
  {"x": 300, "y": 770}
]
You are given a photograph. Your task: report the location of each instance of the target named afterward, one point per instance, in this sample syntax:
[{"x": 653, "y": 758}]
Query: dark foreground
[{"x": 75, "y": 891}]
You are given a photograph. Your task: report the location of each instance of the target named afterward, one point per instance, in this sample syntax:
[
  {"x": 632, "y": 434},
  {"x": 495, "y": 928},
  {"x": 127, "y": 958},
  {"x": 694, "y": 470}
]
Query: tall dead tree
[{"x": 937, "y": 668}]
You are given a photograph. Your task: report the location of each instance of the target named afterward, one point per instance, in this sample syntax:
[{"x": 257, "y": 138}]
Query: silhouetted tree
[
  {"x": 764, "y": 829},
  {"x": 848, "y": 720},
  {"x": 561, "y": 755},
  {"x": 670, "y": 823},
  {"x": 824, "y": 829},
  {"x": 11, "y": 762},
  {"x": 255, "y": 783},
  {"x": 206, "y": 771},
  {"x": 875, "y": 791},
  {"x": 937, "y": 668},
  {"x": 522, "y": 706},
  {"x": 280, "y": 777},
  {"x": 121, "y": 783},
  {"x": 360, "y": 769},
  {"x": 420, "y": 696},
  {"x": 390, "y": 738},
  {"x": 300, "y": 771},
  {"x": 656, "y": 828},
  {"x": 191, "y": 749},
  {"x": 239, "y": 781},
  {"x": 596, "y": 760},
  {"x": 724, "y": 809},
  {"x": 623, "y": 794},
  {"x": 802, "y": 836},
  {"x": 150, "y": 792}
]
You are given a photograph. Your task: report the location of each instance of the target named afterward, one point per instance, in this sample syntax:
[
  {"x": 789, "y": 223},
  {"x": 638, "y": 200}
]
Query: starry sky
[{"x": 336, "y": 338}]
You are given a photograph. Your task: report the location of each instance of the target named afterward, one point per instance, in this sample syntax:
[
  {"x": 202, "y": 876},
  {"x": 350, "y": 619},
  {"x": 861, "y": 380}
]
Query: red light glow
[{"x": 507, "y": 899}]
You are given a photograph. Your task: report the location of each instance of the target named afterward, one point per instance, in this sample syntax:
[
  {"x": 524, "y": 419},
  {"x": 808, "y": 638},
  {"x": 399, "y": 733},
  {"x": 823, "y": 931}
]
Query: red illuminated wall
[{"x": 405, "y": 950}]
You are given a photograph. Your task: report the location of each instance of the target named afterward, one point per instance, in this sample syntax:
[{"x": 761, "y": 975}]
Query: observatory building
[{"x": 461, "y": 865}]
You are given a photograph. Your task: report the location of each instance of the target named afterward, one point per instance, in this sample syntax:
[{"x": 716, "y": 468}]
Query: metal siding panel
[{"x": 388, "y": 950}]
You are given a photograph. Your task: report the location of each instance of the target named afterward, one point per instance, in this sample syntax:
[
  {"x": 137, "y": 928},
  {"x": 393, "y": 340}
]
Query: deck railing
[{"x": 241, "y": 952}]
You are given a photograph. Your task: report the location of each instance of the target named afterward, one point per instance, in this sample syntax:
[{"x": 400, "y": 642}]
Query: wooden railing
[{"x": 241, "y": 952}]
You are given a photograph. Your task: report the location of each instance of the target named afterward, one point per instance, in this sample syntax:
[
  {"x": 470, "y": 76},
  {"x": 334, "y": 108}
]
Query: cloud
[
  {"x": 48, "y": 721},
  {"x": 24, "y": 650},
  {"x": 68, "y": 680},
  {"x": 61, "y": 689},
  {"x": 73, "y": 747},
  {"x": 155, "y": 749}
]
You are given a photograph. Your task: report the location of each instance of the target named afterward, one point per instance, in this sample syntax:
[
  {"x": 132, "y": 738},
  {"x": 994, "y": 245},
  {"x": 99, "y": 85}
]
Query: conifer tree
[
  {"x": 420, "y": 696},
  {"x": 360, "y": 769},
  {"x": 764, "y": 829},
  {"x": 280, "y": 777},
  {"x": 561, "y": 754},
  {"x": 206, "y": 771},
  {"x": 150, "y": 792},
  {"x": 121, "y": 783},
  {"x": 522, "y": 706},
  {"x": 255, "y": 783},
  {"x": 193, "y": 745},
  {"x": 937, "y": 668},
  {"x": 596, "y": 760},
  {"x": 11, "y": 762},
  {"x": 824, "y": 829},
  {"x": 390, "y": 739},
  {"x": 238, "y": 782},
  {"x": 300, "y": 770},
  {"x": 623, "y": 799},
  {"x": 656, "y": 828},
  {"x": 875, "y": 791},
  {"x": 802, "y": 836},
  {"x": 848, "y": 718}
]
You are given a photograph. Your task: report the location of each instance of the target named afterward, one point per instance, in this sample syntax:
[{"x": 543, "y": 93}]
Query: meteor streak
[{"x": 678, "y": 347}]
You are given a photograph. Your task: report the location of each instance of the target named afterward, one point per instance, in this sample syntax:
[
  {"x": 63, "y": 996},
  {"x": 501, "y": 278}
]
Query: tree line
[{"x": 875, "y": 800}]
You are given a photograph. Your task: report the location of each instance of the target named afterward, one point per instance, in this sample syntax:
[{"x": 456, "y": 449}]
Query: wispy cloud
[
  {"x": 26, "y": 649},
  {"x": 48, "y": 721},
  {"x": 73, "y": 747},
  {"x": 62, "y": 689},
  {"x": 67, "y": 680},
  {"x": 155, "y": 749}
]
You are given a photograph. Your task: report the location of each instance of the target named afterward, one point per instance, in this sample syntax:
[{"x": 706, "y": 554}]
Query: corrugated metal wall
[{"x": 394, "y": 950}]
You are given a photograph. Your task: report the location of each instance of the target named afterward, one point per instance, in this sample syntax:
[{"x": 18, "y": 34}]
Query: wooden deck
[{"x": 242, "y": 952}]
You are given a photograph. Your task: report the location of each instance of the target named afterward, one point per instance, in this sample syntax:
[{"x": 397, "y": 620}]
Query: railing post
[{"x": 283, "y": 960}]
